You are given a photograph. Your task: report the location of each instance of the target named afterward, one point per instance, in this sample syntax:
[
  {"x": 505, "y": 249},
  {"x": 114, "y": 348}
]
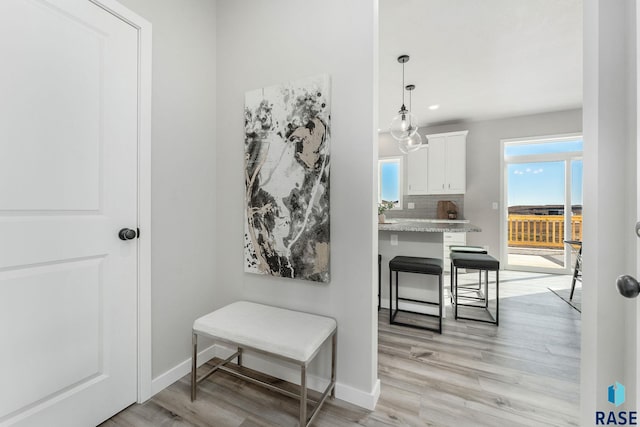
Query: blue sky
[
  {"x": 542, "y": 183},
  {"x": 389, "y": 180}
]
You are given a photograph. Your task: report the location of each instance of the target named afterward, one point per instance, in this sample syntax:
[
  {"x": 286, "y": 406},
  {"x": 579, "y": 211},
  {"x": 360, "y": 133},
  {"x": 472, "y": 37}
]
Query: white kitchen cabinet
[
  {"x": 447, "y": 163},
  {"x": 417, "y": 163}
]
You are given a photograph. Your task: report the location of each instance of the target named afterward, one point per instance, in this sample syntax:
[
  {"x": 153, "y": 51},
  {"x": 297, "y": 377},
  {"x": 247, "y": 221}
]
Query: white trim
[
  {"x": 180, "y": 370},
  {"x": 551, "y": 157},
  {"x": 637, "y": 163},
  {"x": 366, "y": 400},
  {"x": 541, "y": 139},
  {"x": 144, "y": 366}
]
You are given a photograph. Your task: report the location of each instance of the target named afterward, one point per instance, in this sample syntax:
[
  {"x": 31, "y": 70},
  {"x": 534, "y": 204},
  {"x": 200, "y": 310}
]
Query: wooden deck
[{"x": 523, "y": 373}]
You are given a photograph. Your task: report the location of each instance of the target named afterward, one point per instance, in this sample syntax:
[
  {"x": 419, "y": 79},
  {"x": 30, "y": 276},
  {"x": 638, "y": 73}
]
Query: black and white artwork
[{"x": 287, "y": 134}]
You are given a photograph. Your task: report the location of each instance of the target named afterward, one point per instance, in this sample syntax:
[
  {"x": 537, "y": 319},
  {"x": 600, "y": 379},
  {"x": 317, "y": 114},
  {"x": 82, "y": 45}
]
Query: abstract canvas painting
[{"x": 287, "y": 135}]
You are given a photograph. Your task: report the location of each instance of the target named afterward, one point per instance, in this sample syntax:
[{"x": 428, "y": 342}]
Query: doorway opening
[{"x": 542, "y": 194}]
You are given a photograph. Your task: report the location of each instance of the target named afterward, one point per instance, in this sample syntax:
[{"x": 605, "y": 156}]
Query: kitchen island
[
  {"x": 428, "y": 225},
  {"x": 419, "y": 238}
]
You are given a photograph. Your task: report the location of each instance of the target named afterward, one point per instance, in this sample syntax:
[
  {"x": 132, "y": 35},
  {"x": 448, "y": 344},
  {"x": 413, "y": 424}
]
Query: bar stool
[
  {"x": 482, "y": 263},
  {"x": 418, "y": 265},
  {"x": 470, "y": 250}
]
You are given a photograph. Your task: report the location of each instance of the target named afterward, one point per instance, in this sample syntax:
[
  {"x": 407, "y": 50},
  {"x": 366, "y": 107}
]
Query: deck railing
[{"x": 541, "y": 231}]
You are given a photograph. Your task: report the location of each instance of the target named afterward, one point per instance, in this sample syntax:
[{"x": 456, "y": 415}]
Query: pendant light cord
[
  {"x": 402, "y": 85},
  {"x": 410, "y": 107}
]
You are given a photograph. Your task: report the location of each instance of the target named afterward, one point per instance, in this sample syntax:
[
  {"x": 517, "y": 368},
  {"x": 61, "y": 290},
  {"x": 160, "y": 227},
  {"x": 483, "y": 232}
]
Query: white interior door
[{"x": 68, "y": 184}]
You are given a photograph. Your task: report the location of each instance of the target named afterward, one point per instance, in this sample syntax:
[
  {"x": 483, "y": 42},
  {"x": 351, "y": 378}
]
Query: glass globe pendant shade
[
  {"x": 410, "y": 144},
  {"x": 402, "y": 125}
]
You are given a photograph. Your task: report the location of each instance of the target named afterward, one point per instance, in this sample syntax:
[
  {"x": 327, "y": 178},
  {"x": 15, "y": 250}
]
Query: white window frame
[
  {"x": 400, "y": 161},
  {"x": 505, "y": 160}
]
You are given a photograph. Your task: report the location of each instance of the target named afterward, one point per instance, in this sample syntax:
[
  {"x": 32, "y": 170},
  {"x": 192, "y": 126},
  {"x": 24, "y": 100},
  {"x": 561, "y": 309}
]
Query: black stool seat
[
  {"x": 469, "y": 249},
  {"x": 411, "y": 264},
  {"x": 475, "y": 261}
]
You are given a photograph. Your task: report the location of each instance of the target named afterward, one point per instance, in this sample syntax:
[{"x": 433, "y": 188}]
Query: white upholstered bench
[{"x": 289, "y": 335}]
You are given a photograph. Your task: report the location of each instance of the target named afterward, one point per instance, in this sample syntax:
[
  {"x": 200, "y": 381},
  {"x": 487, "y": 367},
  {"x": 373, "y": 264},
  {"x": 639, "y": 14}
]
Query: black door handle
[
  {"x": 628, "y": 286},
  {"x": 127, "y": 234}
]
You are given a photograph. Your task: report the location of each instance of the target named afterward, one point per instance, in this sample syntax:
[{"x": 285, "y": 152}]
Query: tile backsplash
[{"x": 426, "y": 206}]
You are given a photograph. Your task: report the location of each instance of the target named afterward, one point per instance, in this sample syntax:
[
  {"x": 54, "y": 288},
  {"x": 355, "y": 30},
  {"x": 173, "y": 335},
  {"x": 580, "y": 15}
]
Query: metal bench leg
[
  {"x": 303, "y": 396},
  {"x": 194, "y": 365},
  {"x": 239, "y": 356},
  {"x": 334, "y": 358}
]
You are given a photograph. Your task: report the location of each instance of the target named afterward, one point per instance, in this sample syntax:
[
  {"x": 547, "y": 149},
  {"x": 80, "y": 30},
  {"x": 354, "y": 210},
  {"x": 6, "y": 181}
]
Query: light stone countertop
[{"x": 429, "y": 225}]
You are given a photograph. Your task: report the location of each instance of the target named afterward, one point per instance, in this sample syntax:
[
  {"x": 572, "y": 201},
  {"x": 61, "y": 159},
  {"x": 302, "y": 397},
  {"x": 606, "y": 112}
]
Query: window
[{"x": 390, "y": 180}]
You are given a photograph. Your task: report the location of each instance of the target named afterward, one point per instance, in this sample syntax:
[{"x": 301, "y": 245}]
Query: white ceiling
[{"x": 480, "y": 59}]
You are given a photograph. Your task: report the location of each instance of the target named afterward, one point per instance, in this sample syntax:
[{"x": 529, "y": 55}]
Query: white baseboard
[
  {"x": 163, "y": 381},
  {"x": 363, "y": 399},
  {"x": 272, "y": 367}
]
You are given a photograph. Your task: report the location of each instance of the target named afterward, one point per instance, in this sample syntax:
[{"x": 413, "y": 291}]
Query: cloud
[{"x": 528, "y": 170}]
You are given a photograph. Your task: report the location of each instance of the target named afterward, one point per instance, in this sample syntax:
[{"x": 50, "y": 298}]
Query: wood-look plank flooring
[{"x": 523, "y": 373}]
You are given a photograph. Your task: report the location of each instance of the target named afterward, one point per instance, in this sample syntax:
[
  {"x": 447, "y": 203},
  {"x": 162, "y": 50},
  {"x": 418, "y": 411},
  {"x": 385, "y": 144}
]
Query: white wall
[
  {"x": 264, "y": 43},
  {"x": 609, "y": 322},
  {"x": 483, "y": 162},
  {"x": 183, "y": 177}
]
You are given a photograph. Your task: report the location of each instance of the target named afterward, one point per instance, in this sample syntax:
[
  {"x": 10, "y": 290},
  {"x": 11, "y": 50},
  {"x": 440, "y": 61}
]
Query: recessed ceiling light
[{"x": 434, "y": 107}]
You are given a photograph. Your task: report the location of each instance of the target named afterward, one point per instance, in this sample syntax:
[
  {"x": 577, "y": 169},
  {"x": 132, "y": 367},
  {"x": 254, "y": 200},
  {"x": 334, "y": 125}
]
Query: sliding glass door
[{"x": 543, "y": 200}]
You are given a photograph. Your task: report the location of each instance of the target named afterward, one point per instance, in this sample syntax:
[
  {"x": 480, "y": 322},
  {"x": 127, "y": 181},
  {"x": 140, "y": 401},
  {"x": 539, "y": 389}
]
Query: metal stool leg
[
  {"x": 486, "y": 288},
  {"x": 379, "y": 281},
  {"x": 454, "y": 280},
  {"x": 575, "y": 274},
  {"x": 390, "y": 296},
  {"x": 497, "y": 297},
  {"x": 441, "y": 300}
]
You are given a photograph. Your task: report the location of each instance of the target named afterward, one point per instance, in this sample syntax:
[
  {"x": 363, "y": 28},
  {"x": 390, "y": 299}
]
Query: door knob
[
  {"x": 628, "y": 286},
  {"x": 127, "y": 234}
]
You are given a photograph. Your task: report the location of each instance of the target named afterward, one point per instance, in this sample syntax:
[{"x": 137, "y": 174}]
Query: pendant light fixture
[
  {"x": 411, "y": 143},
  {"x": 402, "y": 124}
]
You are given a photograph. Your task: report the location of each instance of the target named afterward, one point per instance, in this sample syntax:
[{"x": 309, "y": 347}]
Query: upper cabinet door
[
  {"x": 436, "y": 174},
  {"x": 456, "y": 164},
  {"x": 447, "y": 163},
  {"x": 417, "y": 167}
]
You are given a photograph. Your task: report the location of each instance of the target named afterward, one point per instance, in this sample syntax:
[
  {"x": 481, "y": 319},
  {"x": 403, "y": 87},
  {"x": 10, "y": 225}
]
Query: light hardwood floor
[{"x": 523, "y": 373}]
